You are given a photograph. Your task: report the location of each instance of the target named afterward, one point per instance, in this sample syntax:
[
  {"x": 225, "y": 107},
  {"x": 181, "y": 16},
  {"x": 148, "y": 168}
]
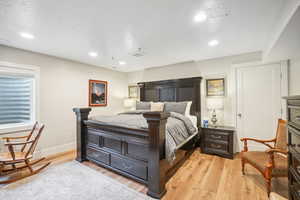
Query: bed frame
[{"x": 140, "y": 153}]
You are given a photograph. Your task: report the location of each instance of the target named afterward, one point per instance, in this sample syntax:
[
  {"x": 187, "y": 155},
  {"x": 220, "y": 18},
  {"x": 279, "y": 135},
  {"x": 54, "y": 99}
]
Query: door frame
[{"x": 284, "y": 92}]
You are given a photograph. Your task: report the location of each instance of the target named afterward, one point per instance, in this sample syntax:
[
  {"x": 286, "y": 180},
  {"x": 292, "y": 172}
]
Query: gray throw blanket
[{"x": 178, "y": 127}]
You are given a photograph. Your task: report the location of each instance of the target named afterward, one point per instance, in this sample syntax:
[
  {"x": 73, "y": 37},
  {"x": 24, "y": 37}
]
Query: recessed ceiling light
[
  {"x": 93, "y": 54},
  {"x": 200, "y": 17},
  {"x": 213, "y": 43},
  {"x": 122, "y": 63},
  {"x": 26, "y": 35}
]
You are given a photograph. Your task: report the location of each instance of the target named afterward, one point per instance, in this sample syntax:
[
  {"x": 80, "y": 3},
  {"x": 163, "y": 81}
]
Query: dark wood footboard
[{"x": 135, "y": 153}]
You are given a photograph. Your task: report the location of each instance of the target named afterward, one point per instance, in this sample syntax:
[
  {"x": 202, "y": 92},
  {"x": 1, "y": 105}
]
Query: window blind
[{"x": 15, "y": 99}]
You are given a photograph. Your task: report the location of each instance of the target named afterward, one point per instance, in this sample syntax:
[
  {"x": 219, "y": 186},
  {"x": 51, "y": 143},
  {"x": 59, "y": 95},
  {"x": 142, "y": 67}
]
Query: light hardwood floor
[{"x": 203, "y": 177}]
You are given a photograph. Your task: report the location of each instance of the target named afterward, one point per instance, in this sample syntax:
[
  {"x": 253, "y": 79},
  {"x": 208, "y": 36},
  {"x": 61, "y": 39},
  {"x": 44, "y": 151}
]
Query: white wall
[
  {"x": 214, "y": 68},
  {"x": 294, "y": 76},
  {"x": 63, "y": 86}
]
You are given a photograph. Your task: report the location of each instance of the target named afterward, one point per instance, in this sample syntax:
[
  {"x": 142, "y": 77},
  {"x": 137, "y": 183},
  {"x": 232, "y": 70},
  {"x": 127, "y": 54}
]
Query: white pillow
[
  {"x": 188, "y": 108},
  {"x": 157, "y": 107}
]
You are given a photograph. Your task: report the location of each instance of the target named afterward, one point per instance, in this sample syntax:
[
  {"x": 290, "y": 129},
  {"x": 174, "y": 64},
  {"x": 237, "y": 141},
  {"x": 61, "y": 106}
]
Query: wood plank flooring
[{"x": 204, "y": 177}]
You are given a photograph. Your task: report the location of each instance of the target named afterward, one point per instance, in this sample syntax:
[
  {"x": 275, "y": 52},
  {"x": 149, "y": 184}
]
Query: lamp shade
[
  {"x": 214, "y": 103},
  {"x": 129, "y": 103}
]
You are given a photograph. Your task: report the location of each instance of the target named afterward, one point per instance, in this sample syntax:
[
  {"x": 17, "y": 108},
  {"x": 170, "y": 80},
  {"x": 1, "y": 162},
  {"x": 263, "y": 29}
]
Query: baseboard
[{"x": 46, "y": 152}]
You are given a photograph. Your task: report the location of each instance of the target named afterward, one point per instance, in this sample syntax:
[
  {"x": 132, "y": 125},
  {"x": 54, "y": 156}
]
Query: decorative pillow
[
  {"x": 178, "y": 107},
  {"x": 141, "y": 105},
  {"x": 188, "y": 108},
  {"x": 157, "y": 107}
]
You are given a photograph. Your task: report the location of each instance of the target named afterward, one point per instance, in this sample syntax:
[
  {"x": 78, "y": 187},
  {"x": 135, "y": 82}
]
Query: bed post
[
  {"x": 156, "y": 164},
  {"x": 81, "y": 132}
]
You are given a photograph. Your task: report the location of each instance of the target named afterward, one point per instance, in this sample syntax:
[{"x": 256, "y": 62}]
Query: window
[
  {"x": 15, "y": 100},
  {"x": 17, "y": 97}
]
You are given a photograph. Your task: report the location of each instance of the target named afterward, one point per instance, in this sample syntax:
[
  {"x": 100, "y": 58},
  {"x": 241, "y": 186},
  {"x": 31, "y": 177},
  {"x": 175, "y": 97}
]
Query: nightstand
[{"x": 218, "y": 141}]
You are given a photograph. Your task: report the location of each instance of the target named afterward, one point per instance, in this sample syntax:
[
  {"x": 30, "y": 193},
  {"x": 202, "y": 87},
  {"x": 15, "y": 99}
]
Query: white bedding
[{"x": 193, "y": 119}]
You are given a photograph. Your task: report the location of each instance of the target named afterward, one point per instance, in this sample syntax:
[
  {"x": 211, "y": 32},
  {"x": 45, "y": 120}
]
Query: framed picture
[
  {"x": 97, "y": 93},
  {"x": 215, "y": 87},
  {"x": 133, "y": 91}
]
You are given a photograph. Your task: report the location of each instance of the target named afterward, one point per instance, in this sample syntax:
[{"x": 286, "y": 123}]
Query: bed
[{"x": 140, "y": 152}]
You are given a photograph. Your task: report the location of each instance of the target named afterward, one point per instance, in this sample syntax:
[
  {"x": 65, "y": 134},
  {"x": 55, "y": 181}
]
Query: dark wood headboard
[{"x": 187, "y": 89}]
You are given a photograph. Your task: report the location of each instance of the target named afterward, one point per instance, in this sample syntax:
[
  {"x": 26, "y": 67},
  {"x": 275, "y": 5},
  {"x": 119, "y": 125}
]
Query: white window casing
[{"x": 20, "y": 106}]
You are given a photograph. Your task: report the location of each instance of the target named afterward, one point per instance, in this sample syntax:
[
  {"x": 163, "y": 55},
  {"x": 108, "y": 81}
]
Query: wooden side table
[{"x": 218, "y": 141}]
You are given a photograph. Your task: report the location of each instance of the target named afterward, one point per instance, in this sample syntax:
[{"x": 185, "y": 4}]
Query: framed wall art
[
  {"x": 215, "y": 87},
  {"x": 97, "y": 93},
  {"x": 133, "y": 91}
]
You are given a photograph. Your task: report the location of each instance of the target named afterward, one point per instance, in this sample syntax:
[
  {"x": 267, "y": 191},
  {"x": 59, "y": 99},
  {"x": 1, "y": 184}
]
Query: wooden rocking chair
[{"x": 13, "y": 157}]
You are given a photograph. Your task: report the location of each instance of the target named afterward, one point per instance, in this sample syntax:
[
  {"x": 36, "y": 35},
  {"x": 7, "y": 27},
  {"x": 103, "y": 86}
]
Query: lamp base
[{"x": 214, "y": 118}]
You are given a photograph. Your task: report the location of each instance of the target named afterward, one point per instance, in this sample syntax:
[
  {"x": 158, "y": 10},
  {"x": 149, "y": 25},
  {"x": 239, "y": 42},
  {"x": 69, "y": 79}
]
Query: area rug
[{"x": 69, "y": 181}]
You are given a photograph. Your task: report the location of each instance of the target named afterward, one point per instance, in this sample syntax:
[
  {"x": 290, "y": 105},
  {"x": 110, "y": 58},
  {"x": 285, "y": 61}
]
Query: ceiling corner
[{"x": 288, "y": 12}]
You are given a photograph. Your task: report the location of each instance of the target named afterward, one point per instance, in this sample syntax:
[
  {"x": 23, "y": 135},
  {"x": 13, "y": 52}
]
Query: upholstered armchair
[{"x": 272, "y": 162}]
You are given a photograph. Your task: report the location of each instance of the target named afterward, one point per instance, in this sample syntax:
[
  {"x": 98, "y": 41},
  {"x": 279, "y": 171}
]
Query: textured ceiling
[{"x": 164, "y": 29}]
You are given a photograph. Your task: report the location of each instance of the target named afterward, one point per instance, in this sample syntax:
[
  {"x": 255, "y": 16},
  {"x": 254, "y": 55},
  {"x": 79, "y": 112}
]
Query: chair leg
[
  {"x": 268, "y": 184},
  {"x": 28, "y": 165},
  {"x": 243, "y": 166},
  {"x": 23, "y": 166},
  {"x": 1, "y": 168},
  {"x": 13, "y": 166},
  {"x": 268, "y": 177},
  {"x": 24, "y": 176}
]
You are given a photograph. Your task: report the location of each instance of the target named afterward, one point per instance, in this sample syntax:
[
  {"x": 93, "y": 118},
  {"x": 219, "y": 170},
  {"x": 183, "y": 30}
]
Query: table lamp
[
  {"x": 129, "y": 103},
  {"x": 214, "y": 104}
]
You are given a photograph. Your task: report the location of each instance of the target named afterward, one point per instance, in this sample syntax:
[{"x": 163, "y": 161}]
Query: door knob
[{"x": 240, "y": 115}]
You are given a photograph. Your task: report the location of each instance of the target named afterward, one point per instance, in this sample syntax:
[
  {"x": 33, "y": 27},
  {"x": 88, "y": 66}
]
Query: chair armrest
[
  {"x": 271, "y": 151},
  {"x": 259, "y": 141},
  {"x": 10, "y": 146},
  {"x": 14, "y": 138},
  {"x": 18, "y": 143},
  {"x": 17, "y": 137},
  {"x": 271, "y": 163},
  {"x": 264, "y": 142}
]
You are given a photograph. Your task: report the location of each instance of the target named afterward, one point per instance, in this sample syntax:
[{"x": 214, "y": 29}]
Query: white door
[{"x": 258, "y": 102}]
